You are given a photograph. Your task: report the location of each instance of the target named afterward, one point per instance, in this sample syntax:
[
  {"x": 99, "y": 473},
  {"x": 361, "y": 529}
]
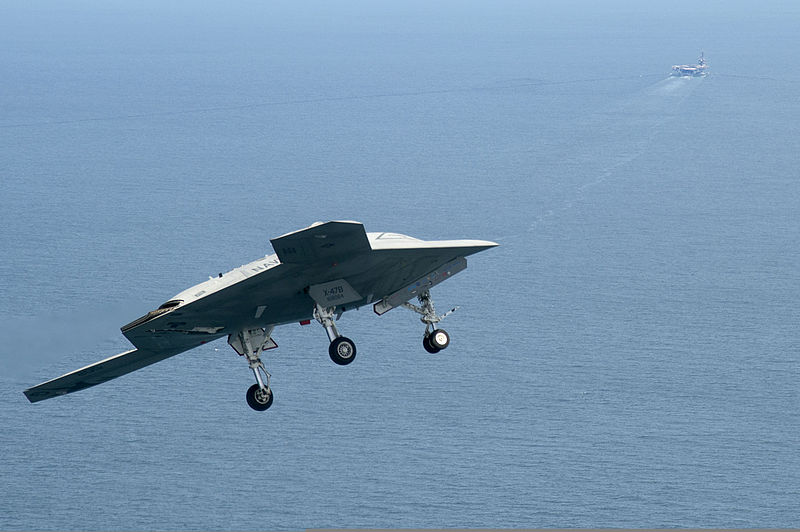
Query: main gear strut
[
  {"x": 434, "y": 339},
  {"x": 342, "y": 350}
]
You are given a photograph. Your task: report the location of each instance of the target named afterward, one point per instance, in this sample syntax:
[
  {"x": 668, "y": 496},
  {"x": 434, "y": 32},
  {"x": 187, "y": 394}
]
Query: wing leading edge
[{"x": 97, "y": 373}]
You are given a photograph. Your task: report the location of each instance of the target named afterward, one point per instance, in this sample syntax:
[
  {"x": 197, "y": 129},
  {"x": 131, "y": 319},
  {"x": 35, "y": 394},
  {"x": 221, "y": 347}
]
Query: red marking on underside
[{"x": 305, "y": 322}]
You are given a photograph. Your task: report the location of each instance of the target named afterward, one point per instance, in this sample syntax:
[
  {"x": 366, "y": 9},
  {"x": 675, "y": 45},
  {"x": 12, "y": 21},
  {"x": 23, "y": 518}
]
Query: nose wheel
[
  {"x": 259, "y": 398},
  {"x": 249, "y": 343}
]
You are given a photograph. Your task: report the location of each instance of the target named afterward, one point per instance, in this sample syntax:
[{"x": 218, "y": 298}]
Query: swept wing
[{"x": 315, "y": 273}]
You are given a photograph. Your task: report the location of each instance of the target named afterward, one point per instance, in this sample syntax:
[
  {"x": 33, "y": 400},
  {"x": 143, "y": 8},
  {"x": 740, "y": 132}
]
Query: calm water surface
[{"x": 627, "y": 358}]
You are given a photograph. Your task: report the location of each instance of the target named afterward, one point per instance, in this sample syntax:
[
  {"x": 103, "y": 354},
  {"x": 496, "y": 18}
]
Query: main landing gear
[
  {"x": 342, "y": 350},
  {"x": 249, "y": 343},
  {"x": 434, "y": 340}
]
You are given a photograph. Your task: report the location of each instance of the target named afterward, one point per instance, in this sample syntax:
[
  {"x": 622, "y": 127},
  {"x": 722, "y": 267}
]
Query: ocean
[{"x": 627, "y": 357}]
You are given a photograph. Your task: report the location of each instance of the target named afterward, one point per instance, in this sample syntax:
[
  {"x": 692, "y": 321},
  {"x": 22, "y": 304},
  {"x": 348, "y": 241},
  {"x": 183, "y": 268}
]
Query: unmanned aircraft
[{"x": 315, "y": 273}]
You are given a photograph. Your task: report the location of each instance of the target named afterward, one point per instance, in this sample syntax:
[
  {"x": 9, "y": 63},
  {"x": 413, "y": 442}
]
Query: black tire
[
  {"x": 426, "y": 343},
  {"x": 342, "y": 351},
  {"x": 256, "y": 399},
  {"x": 439, "y": 339}
]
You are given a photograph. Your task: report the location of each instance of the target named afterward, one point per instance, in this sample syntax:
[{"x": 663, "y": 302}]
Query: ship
[{"x": 699, "y": 69}]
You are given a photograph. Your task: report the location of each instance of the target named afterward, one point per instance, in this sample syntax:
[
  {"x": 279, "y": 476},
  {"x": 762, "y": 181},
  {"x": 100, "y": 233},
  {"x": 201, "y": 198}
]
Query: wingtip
[
  {"x": 34, "y": 396},
  {"x": 28, "y": 395},
  {"x": 483, "y": 244}
]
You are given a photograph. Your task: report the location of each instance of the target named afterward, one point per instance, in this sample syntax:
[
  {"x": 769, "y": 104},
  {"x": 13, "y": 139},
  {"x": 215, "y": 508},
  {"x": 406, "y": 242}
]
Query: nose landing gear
[
  {"x": 249, "y": 343},
  {"x": 259, "y": 398}
]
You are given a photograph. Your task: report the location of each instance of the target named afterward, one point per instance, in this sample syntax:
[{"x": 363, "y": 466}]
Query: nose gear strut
[{"x": 249, "y": 343}]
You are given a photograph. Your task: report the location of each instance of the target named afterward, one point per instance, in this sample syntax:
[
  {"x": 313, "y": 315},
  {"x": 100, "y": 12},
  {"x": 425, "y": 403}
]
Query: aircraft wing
[
  {"x": 335, "y": 264},
  {"x": 322, "y": 242},
  {"x": 96, "y": 373}
]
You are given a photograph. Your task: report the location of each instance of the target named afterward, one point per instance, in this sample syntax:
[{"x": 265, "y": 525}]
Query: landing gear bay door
[
  {"x": 420, "y": 285},
  {"x": 333, "y": 293}
]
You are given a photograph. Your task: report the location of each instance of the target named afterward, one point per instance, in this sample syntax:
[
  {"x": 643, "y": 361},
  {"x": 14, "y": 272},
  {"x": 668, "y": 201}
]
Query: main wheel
[
  {"x": 342, "y": 351},
  {"x": 426, "y": 343},
  {"x": 259, "y": 399},
  {"x": 439, "y": 339}
]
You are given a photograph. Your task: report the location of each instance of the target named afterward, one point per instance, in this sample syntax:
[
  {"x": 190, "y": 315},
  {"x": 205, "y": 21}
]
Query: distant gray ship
[{"x": 691, "y": 70}]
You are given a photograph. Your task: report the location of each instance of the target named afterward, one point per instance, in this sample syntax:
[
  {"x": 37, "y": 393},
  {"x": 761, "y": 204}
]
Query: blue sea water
[{"x": 628, "y": 357}]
